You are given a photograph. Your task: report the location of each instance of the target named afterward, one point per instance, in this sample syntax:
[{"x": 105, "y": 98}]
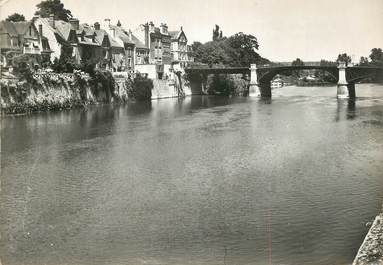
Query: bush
[
  {"x": 226, "y": 85},
  {"x": 22, "y": 66},
  {"x": 103, "y": 81},
  {"x": 142, "y": 88}
]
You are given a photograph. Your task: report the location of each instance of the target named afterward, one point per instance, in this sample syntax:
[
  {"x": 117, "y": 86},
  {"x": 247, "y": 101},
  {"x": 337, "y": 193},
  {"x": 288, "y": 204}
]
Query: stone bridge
[{"x": 261, "y": 77}]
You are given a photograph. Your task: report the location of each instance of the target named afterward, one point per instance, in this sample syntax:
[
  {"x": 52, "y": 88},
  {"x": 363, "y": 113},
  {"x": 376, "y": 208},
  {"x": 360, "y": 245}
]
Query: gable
[
  {"x": 105, "y": 41},
  {"x": 182, "y": 37},
  {"x": 31, "y": 32},
  {"x": 72, "y": 38}
]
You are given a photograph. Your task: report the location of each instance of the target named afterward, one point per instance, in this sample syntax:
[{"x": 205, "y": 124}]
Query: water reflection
[
  {"x": 346, "y": 108},
  {"x": 351, "y": 109},
  {"x": 200, "y": 179},
  {"x": 135, "y": 108}
]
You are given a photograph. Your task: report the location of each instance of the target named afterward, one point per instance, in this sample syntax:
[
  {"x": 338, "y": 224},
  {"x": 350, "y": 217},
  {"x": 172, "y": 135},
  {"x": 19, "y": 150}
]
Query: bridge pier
[
  {"x": 265, "y": 88},
  {"x": 351, "y": 90},
  {"x": 254, "y": 90},
  {"x": 342, "y": 89}
]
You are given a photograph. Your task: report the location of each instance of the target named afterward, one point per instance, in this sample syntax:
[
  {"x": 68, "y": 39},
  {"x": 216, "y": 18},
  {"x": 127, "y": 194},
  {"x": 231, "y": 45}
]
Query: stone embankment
[
  {"x": 371, "y": 250},
  {"x": 46, "y": 91}
]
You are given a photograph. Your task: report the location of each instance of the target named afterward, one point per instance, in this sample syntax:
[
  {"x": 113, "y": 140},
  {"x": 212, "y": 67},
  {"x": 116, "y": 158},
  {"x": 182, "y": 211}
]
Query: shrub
[
  {"x": 142, "y": 88},
  {"x": 104, "y": 80},
  {"x": 22, "y": 65}
]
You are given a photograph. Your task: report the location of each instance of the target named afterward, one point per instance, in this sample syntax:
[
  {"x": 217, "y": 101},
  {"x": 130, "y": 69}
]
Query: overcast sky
[{"x": 286, "y": 29}]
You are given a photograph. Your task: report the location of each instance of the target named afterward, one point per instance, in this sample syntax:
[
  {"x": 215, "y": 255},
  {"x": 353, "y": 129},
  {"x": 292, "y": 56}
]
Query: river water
[{"x": 203, "y": 180}]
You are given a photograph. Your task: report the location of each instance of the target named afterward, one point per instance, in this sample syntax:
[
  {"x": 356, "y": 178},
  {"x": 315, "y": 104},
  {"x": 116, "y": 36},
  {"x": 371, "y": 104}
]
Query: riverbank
[
  {"x": 47, "y": 91},
  {"x": 371, "y": 250}
]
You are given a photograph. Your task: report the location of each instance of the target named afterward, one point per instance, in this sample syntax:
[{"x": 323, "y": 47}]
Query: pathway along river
[{"x": 203, "y": 180}]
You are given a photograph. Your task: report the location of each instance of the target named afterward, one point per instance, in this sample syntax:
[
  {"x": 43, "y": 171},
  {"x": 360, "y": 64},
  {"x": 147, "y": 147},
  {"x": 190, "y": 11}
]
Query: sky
[{"x": 286, "y": 29}]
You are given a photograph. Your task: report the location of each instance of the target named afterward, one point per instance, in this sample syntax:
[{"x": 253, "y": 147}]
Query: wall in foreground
[
  {"x": 52, "y": 91},
  {"x": 371, "y": 250},
  {"x": 170, "y": 88}
]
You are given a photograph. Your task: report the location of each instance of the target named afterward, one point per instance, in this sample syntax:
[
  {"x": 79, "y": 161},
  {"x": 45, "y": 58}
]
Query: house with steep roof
[
  {"x": 9, "y": 42},
  {"x": 58, "y": 36},
  {"x": 124, "y": 38},
  {"x": 113, "y": 51},
  {"x": 90, "y": 50},
  {"x": 141, "y": 54},
  {"x": 158, "y": 41},
  {"x": 181, "y": 51},
  {"x": 21, "y": 38}
]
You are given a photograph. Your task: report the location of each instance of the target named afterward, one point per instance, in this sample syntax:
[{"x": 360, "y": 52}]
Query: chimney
[
  {"x": 164, "y": 28},
  {"x": 130, "y": 34},
  {"x": 118, "y": 23},
  {"x": 151, "y": 26},
  {"x": 41, "y": 30},
  {"x": 146, "y": 31},
  {"x": 52, "y": 21},
  {"x": 34, "y": 18},
  {"x": 106, "y": 24},
  {"x": 97, "y": 26},
  {"x": 182, "y": 29},
  {"x": 75, "y": 23}
]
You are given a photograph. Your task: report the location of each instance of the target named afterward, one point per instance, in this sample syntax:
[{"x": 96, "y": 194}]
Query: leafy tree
[
  {"x": 297, "y": 62},
  {"x": 323, "y": 75},
  {"x": 363, "y": 61},
  {"x": 55, "y": 7},
  {"x": 344, "y": 58},
  {"x": 15, "y": 17},
  {"x": 295, "y": 73},
  {"x": 376, "y": 56},
  {"x": 326, "y": 63},
  {"x": 237, "y": 50}
]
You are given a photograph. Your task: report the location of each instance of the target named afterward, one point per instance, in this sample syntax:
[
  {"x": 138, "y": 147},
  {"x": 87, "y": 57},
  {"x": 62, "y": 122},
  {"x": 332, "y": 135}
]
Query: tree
[
  {"x": 243, "y": 49},
  {"x": 343, "y": 58},
  {"x": 15, "y": 17},
  {"x": 376, "y": 56},
  {"x": 297, "y": 62},
  {"x": 363, "y": 61},
  {"x": 326, "y": 63},
  {"x": 237, "y": 50},
  {"x": 55, "y": 7}
]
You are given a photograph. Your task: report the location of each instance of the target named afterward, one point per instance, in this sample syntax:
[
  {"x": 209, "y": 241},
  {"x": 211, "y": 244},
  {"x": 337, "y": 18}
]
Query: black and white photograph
[{"x": 191, "y": 132}]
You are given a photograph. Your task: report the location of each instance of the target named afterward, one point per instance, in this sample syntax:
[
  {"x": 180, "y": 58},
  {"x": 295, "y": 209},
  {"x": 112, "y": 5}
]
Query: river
[{"x": 200, "y": 180}]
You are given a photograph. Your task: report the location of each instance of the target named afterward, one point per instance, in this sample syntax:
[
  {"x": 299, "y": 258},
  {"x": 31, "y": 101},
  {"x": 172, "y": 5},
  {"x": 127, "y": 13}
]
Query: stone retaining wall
[{"x": 371, "y": 250}]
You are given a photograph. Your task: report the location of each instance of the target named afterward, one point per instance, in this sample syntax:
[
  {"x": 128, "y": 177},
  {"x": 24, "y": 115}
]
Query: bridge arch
[
  {"x": 261, "y": 76},
  {"x": 266, "y": 75}
]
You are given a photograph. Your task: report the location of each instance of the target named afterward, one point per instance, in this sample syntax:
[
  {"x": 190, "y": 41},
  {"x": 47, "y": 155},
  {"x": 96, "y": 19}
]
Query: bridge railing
[{"x": 281, "y": 64}]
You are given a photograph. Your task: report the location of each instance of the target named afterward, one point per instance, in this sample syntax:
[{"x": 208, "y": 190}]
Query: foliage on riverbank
[
  {"x": 239, "y": 49},
  {"x": 227, "y": 85},
  {"x": 141, "y": 88},
  {"x": 47, "y": 91}
]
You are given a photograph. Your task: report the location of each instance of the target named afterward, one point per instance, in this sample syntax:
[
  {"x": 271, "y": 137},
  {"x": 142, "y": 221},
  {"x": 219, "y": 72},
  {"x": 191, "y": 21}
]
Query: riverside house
[
  {"x": 136, "y": 53},
  {"x": 124, "y": 38},
  {"x": 113, "y": 58},
  {"x": 179, "y": 49},
  {"x": 59, "y": 35},
  {"x": 21, "y": 38},
  {"x": 157, "y": 40}
]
